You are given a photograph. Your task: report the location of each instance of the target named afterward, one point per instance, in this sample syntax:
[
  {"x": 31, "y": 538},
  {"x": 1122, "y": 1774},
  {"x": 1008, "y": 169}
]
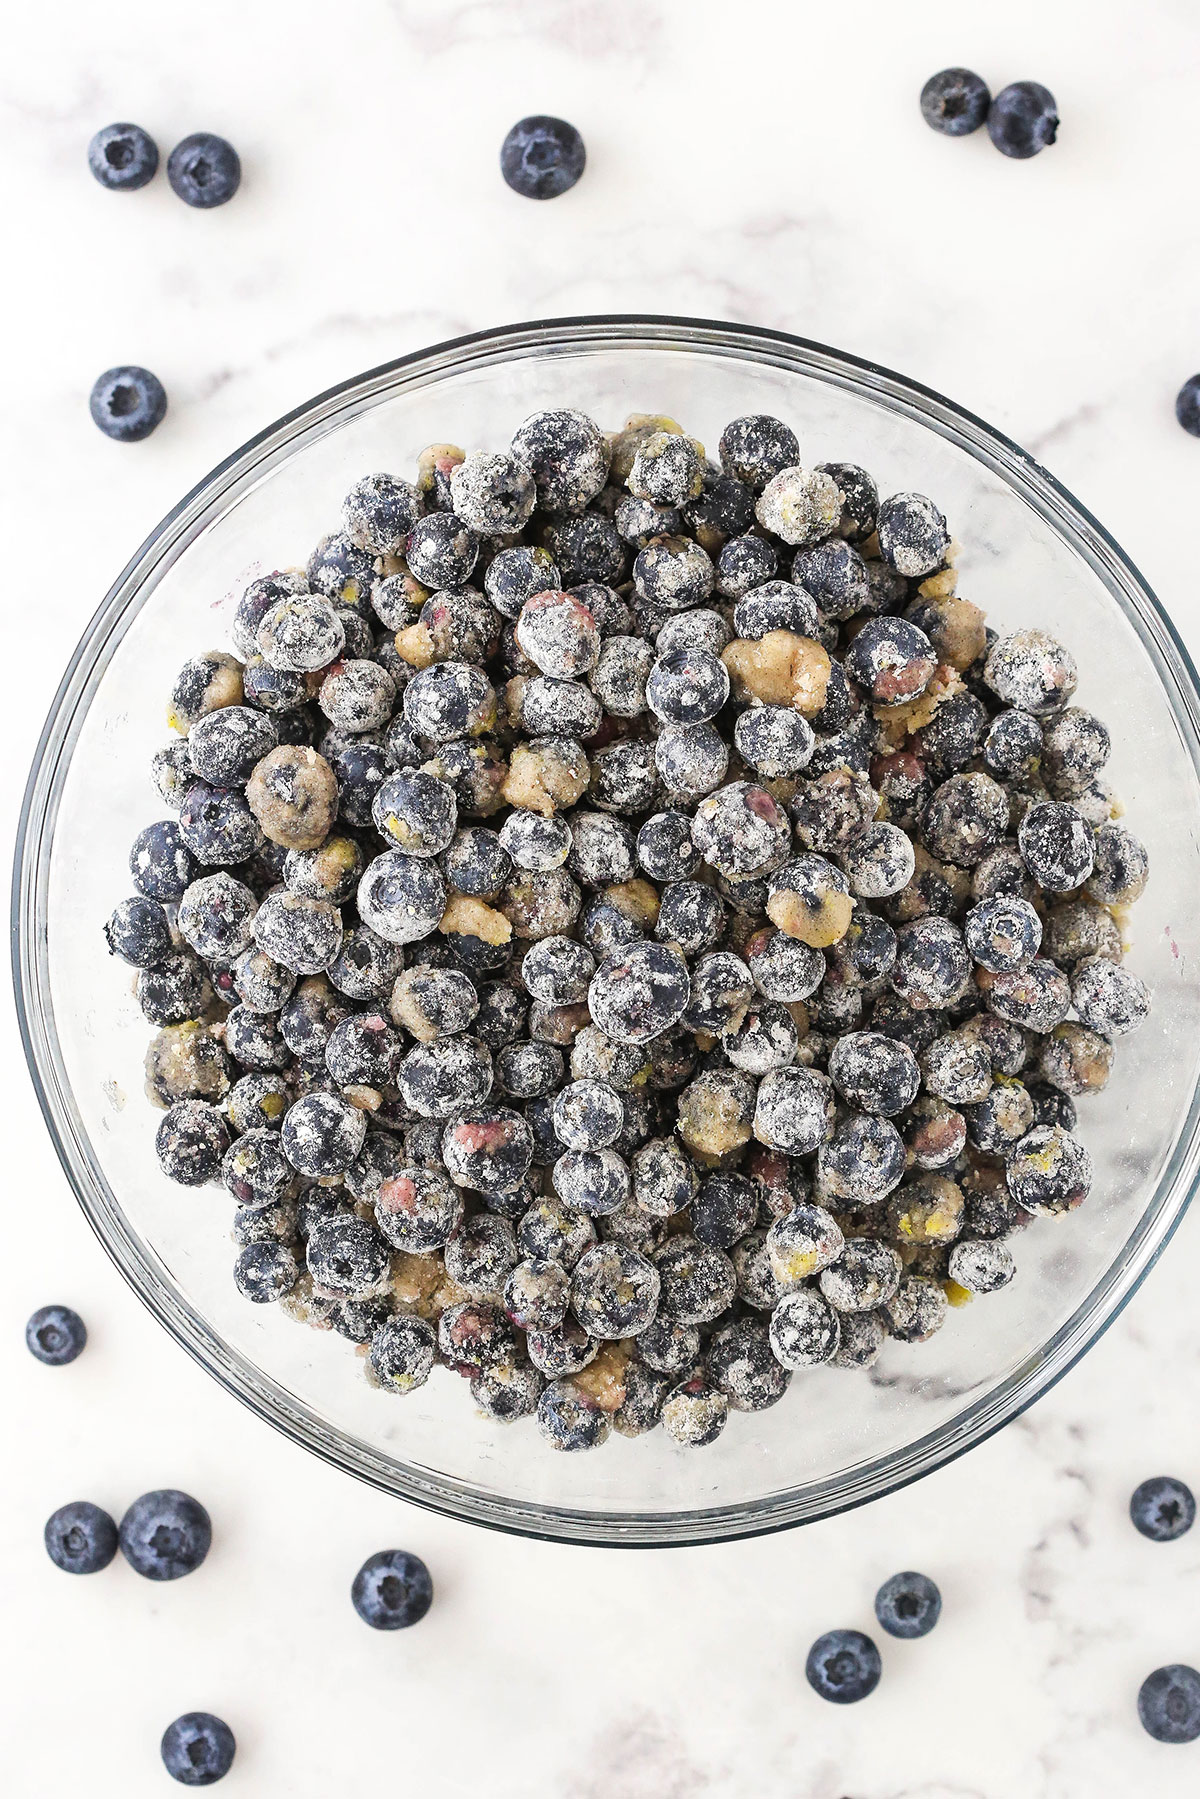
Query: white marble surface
[{"x": 761, "y": 162}]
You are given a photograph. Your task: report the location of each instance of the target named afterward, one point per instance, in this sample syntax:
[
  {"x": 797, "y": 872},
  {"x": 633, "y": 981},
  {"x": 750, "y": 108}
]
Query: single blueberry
[
  {"x": 542, "y": 157},
  {"x": 392, "y": 1590},
  {"x": 80, "y": 1538},
  {"x": 1022, "y": 119},
  {"x": 198, "y": 1749},
  {"x": 908, "y": 1605},
  {"x": 127, "y": 403},
  {"x": 123, "y": 157},
  {"x": 1169, "y": 1704},
  {"x": 1187, "y": 405},
  {"x": 55, "y": 1335},
  {"x": 204, "y": 170},
  {"x": 955, "y": 101},
  {"x": 843, "y": 1666},
  {"x": 1162, "y": 1508},
  {"x": 165, "y": 1534}
]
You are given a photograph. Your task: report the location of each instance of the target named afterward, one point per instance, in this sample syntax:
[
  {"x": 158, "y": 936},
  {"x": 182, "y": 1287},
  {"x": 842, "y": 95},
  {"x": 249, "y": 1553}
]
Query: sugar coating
[{"x": 627, "y": 932}]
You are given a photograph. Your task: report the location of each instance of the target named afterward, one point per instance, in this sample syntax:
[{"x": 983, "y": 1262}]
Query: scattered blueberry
[
  {"x": 198, "y": 1749},
  {"x": 908, "y": 1605},
  {"x": 80, "y": 1538},
  {"x": 165, "y": 1534},
  {"x": 1162, "y": 1508},
  {"x": 955, "y": 101},
  {"x": 123, "y": 157},
  {"x": 127, "y": 403},
  {"x": 1022, "y": 119},
  {"x": 392, "y": 1590},
  {"x": 55, "y": 1335},
  {"x": 843, "y": 1666},
  {"x": 1187, "y": 405},
  {"x": 542, "y": 157},
  {"x": 204, "y": 170},
  {"x": 1169, "y": 1704}
]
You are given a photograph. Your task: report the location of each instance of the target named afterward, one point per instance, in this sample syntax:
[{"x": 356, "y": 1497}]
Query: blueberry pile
[
  {"x": 1021, "y": 120},
  {"x": 627, "y": 931}
]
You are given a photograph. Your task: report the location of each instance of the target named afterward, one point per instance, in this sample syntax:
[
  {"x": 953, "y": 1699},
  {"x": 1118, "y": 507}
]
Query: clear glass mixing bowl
[{"x": 1030, "y": 555}]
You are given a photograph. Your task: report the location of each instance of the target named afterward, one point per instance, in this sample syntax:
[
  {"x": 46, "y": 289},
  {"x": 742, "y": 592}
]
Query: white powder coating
[
  {"x": 216, "y": 916},
  {"x": 401, "y": 897},
  {"x": 620, "y": 675},
  {"x": 1056, "y": 843},
  {"x": 880, "y": 860},
  {"x": 912, "y": 534},
  {"x": 741, "y": 1365},
  {"x": 804, "y": 1329},
  {"x": 558, "y": 633},
  {"x": 437, "y": 1078},
  {"x": 493, "y": 494},
  {"x": 322, "y": 1128},
  {"x": 302, "y": 633},
  {"x": 640, "y": 992},
  {"x": 782, "y": 967},
  {"x": 1032, "y": 670},
  {"x": 794, "y": 1111},
  {"x": 700, "y": 629},
  {"x": 690, "y": 759},
  {"x": 980, "y": 1266},
  {"x": 302, "y": 934},
  {"x": 866, "y": 1275},
  {"x": 695, "y": 1413},
  {"x": 800, "y": 505},
  {"x": 918, "y": 1309},
  {"x": 225, "y": 745},
  {"x": 1109, "y": 997},
  {"x": 379, "y": 512},
  {"x": 740, "y": 830},
  {"x": 566, "y": 453},
  {"x": 448, "y": 701},
  {"x": 674, "y": 572},
  {"x": 358, "y": 695},
  {"x": 667, "y": 469}
]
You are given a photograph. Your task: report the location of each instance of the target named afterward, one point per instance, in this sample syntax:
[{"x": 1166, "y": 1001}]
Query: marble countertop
[{"x": 763, "y": 163}]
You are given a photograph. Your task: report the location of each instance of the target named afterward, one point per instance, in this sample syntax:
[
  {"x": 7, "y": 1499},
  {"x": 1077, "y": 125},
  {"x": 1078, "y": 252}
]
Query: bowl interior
[{"x": 1027, "y": 555}]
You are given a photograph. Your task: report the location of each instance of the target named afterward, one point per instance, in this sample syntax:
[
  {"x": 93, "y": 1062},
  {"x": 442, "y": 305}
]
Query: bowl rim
[{"x": 1045, "y": 1366}]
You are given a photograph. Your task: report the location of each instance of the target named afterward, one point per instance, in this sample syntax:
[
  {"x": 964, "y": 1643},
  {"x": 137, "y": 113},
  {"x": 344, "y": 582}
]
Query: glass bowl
[{"x": 1030, "y": 555}]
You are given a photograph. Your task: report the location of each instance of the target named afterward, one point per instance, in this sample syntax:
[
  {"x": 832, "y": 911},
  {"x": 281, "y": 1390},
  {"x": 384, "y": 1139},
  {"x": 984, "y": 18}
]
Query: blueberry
[
  {"x": 542, "y": 157},
  {"x": 1162, "y": 1508},
  {"x": 55, "y": 1335},
  {"x": 265, "y": 1271},
  {"x": 80, "y": 1538},
  {"x": 197, "y": 1749},
  {"x": 1169, "y": 1704},
  {"x": 138, "y": 932},
  {"x": 392, "y": 1590},
  {"x": 123, "y": 157},
  {"x": 908, "y": 1605},
  {"x": 843, "y": 1666},
  {"x": 1187, "y": 405},
  {"x": 569, "y": 1419},
  {"x": 955, "y": 101},
  {"x": 127, "y": 403},
  {"x": 204, "y": 170},
  {"x": 165, "y": 1534},
  {"x": 1022, "y": 119}
]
